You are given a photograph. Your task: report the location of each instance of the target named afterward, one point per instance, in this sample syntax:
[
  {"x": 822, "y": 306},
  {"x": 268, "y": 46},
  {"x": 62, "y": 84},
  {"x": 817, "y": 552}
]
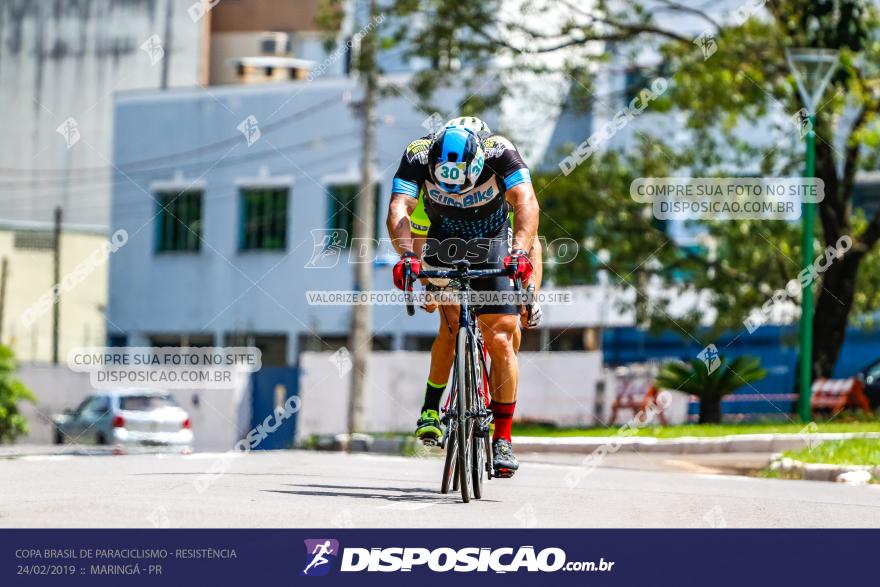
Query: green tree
[
  {"x": 745, "y": 82},
  {"x": 725, "y": 377},
  {"x": 12, "y": 392}
]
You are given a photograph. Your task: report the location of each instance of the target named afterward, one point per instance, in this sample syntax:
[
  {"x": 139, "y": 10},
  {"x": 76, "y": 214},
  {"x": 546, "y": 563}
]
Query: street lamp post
[
  {"x": 812, "y": 70},
  {"x": 808, "y": 216}
]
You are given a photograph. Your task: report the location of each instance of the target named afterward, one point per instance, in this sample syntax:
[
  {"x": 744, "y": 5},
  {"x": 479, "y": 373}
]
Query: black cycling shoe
[{"x": 503, "y": 461}]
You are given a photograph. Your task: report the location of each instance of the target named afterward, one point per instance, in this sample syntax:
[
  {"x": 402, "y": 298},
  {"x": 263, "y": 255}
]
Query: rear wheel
[
  {"x": 487, "y": 449},
  {"x": 478, "y": 463}
]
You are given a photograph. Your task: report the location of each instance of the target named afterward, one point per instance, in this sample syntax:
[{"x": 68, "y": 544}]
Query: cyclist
[
  {"x": 471, "y": 181},
  {"x": 428, "y": 425}
]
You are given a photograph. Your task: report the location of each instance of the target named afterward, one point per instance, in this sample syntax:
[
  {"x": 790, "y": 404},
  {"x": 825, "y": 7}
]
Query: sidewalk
[{"x": 739, "y": 443}]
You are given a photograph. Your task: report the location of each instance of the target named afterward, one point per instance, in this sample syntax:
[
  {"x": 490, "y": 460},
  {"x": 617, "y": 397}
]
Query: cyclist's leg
[
  {"x": 500, "y": 332},
  {"x": 499, "y": 324},
  {"x": 442, "y": 353}
]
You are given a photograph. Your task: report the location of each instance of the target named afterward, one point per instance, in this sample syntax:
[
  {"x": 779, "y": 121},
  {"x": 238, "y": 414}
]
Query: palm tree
[{"x": 695, "y": 378}]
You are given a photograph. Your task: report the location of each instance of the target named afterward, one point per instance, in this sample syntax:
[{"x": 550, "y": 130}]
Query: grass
[
  {"x": 855, "y": 451},
  {"x": 702, "y": 430}
]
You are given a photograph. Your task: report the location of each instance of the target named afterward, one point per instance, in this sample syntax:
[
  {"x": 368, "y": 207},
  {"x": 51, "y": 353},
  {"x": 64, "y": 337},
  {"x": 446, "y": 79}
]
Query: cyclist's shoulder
[
  {"x": 417, "y": 151},
  {"x": 496, "y": 145}
]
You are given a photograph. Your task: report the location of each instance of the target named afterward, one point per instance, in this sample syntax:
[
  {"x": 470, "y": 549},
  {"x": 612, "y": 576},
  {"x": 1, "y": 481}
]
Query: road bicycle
[{"x": 466, "y": 416}]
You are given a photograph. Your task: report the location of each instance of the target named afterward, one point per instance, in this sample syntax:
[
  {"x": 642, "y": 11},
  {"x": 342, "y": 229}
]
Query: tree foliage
[
  {"x": 742, "y": 82},
  {"x": 12, "y": 393}
]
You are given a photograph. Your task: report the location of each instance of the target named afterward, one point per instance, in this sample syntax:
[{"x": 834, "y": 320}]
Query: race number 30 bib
[{"x": 451, "y": 173}]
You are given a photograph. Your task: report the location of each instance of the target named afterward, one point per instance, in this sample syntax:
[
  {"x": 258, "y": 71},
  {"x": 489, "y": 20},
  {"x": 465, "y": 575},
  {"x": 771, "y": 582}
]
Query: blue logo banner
[{"x": 546, "y": 557}]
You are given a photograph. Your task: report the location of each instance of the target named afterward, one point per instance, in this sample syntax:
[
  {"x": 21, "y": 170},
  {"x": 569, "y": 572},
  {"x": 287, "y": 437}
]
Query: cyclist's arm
[
  {"x": 507, "y": 163},
  {"x": 405, "y": 194},
  {"x": 526, "y": 210},
  {"x": 536, "y": 255},
  {"x": 399, "y": 210}
]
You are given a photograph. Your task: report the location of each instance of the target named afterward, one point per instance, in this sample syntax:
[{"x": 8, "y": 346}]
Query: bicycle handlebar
[{"x": 463, "y": 271}]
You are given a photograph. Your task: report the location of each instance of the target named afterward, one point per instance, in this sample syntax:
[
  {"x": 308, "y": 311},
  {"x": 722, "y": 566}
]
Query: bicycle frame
[{"x": 471, "y": 426}]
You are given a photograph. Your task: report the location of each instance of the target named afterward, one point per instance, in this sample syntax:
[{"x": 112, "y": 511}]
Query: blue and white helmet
[
  {"x": 456, "y": 159},
  {"x": 472, "y": 122}
]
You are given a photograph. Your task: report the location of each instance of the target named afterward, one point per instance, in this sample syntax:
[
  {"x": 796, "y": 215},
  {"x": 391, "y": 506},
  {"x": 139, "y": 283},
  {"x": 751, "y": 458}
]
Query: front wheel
[
  {"x": 466, "y": 390},
  {"x": 449, "y": 466}
]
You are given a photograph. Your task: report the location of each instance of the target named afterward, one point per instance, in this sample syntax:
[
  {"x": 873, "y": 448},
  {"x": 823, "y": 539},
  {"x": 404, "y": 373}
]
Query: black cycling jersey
[{"x": 477, "y": 213}]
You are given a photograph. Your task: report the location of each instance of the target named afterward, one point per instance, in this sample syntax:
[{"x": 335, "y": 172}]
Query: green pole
[{"x": 808, "y": 214}]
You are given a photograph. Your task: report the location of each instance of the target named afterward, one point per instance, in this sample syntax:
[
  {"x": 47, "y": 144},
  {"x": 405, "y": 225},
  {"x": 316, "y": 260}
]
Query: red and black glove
[
  {"x": 407, "y": 259},
  {"x": 520, "y": 263}
]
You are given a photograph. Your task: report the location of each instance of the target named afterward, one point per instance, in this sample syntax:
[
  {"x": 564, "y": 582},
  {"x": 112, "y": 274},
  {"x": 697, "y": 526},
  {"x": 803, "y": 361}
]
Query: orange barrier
[
  {"x": 637, "y": 395},
  {"x": 838, "y": 394}
]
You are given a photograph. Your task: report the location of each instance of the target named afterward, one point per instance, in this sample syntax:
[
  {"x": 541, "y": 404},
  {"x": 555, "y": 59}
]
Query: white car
[{"x": 124, "y": 419}]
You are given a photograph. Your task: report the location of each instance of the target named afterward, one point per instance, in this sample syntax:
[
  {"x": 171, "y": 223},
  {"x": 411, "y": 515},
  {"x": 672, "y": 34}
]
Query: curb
[
  {"x": 364, "y": 443},
  {"x": 850, "y": 474},
  {"x": 739, "y": 443}
]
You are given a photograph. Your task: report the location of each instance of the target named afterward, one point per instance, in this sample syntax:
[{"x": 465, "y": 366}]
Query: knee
[{"x": 500, "y": 341}]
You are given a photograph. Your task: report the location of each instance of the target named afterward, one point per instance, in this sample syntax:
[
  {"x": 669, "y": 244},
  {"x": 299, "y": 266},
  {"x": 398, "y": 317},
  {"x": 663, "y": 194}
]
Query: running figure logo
[{"x": 317, "y": 551}]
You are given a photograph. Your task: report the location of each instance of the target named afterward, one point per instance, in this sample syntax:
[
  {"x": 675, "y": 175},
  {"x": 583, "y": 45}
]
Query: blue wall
[{"x": 775, "y": 346}]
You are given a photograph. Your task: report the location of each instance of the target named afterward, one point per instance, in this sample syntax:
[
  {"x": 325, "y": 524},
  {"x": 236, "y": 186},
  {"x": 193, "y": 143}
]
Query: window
[
  {"x": 185, "y": 339},
  {"x": 313, "y": 341},
  {"x": 342, "y": 207},
  {"x": 179, "y": 221},
  {"x": 34, "y": 240},
  {"x": 638, "y": 78},
  {"x": 273, "y": 347},
  {"x": 635, "y": 80},
  {"x": 263, "y": 219},
  {"x": 98, "y": 405},
  {"x": 873, "y": 375},
  {"x": 145, "y": 403}
]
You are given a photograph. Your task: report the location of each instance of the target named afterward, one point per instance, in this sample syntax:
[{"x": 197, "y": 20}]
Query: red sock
[{"x": 503, "y": 416}]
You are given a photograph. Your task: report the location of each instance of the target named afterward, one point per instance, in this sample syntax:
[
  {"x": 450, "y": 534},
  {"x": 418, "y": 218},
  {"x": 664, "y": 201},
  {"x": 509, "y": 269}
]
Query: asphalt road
[{"x": 309, "y": 489}]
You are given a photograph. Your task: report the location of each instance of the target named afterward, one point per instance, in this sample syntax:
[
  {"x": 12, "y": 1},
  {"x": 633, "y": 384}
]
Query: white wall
[
  {"x": 558, "y": 387},
  {"x": 221, "y": 419},
  {"x": 562, "y": 388}
]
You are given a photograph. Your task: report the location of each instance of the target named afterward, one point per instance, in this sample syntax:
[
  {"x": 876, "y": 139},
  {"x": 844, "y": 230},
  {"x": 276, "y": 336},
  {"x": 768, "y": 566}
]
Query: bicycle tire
[
  {"x": 487, "y": 446},
  {"x": 477, "y": 461},
  {"x": 449, "y": 464},
  {"x": 487, "y": 439},
  {"x": 465, "y": 430},
  {"x": 477, "y": 466}
]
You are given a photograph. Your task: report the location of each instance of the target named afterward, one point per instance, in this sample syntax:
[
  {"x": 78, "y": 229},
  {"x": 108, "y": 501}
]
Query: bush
[{"x": 12, "y": 392}]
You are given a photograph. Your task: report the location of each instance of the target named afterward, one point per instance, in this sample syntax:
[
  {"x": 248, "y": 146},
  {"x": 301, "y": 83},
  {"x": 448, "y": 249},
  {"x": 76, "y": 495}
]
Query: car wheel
[
  {"x": 58, "y": 437},
  {"x": 101, "y": 439}
]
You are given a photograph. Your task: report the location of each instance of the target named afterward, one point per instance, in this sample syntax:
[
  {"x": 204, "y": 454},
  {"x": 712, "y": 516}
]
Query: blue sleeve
[
  {"x": 517, "y": 177},
  {"x": 403, "y": 186}
]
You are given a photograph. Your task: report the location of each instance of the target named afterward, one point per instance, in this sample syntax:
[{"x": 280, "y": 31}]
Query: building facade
[{"x": 26, "y": 311}]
